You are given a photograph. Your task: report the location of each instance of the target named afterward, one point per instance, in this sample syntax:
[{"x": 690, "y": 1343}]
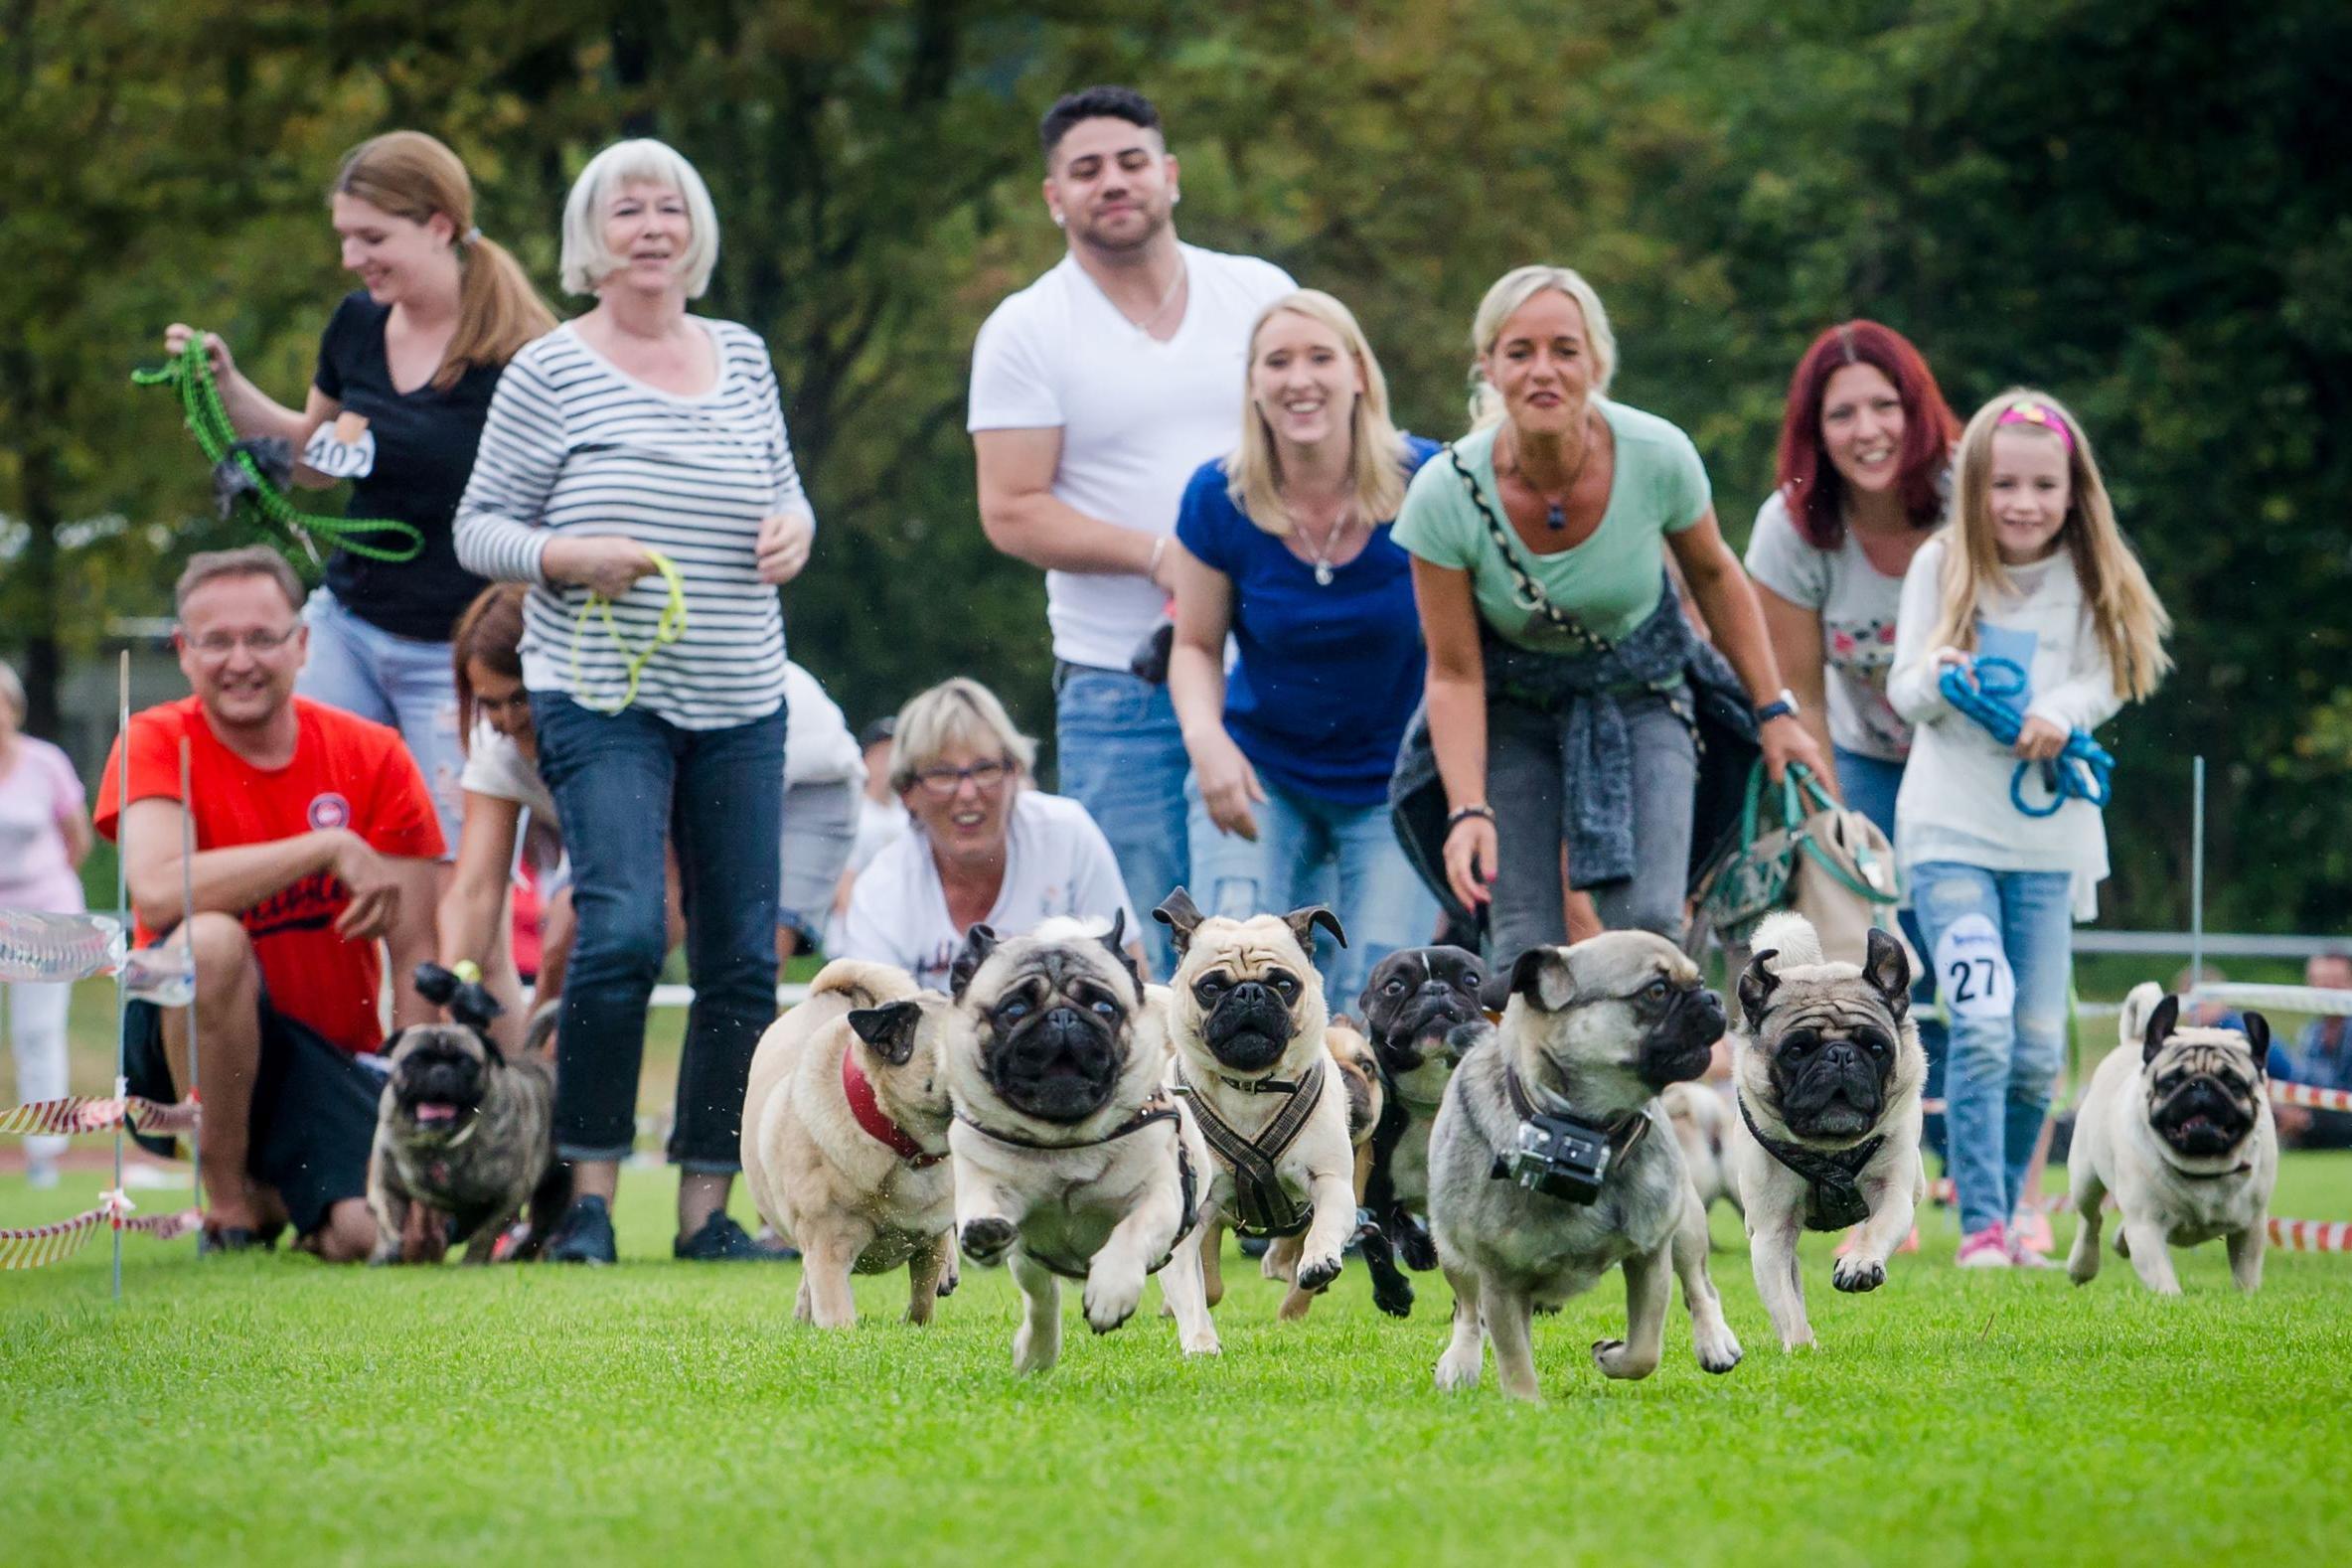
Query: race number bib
[
  {"x": 1972, "y": 969},
  {"x": 343, "y": 450}
]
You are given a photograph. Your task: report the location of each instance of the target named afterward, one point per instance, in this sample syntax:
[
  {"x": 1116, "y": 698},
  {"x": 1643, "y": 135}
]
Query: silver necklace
[
  {"x": 1321, "y": 554},
  {"x": 1145, "y": 325}
]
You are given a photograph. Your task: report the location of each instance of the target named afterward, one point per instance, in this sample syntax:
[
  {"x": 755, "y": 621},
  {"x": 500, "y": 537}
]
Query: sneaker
[
  {"x": 2030, "y": 1233},
  {"x": 584, "y": 1235},
  {"x": 771, "y": 1239},
  {"x": 1910, "y": 1243},
  {"x": 1985, "y": 1249},
  {"x": 721, "y": 1240},
  {"x": 213, "y": 1241}
]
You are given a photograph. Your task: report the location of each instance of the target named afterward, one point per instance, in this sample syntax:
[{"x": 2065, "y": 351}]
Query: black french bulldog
[{"x": 1422, "y": 1012}]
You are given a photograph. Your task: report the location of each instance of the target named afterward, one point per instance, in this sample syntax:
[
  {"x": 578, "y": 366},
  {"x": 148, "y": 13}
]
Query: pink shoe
[
  {"x": 2030, "y": 1233},
  {"x": 1910, "y": 1243},
  {"x": 1985, "y": 1249}
]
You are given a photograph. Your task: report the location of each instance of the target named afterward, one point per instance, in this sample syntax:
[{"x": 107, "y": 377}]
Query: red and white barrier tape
[
  {"x": 83, "y": 1113},
  {"x": 2311, "y": 1235},
  {"x": 36, "y": 1246}
]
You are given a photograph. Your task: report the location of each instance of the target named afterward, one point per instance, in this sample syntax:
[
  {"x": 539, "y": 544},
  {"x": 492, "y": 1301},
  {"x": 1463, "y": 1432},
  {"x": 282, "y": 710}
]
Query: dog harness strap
[
  {"x": 1626, "y": 1130},
  {"x": 1157, "y": 1109},
  {"x": 878, "y": 1124},
  {"x": 1266, "y": 1209},
  {"x": 1832, "y": 1196}
]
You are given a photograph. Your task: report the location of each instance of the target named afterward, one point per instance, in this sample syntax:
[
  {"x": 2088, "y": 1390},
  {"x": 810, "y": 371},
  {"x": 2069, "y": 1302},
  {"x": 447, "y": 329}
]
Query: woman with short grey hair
[{"x": 635, "y": 471}]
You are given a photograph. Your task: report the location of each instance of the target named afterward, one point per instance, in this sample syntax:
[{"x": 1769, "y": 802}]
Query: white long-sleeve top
[
  {"x": 575, "y": 445},
  {"x": 1954, "y": 802}
]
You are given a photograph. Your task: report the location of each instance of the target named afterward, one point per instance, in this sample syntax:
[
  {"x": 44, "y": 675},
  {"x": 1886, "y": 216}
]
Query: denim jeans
[
  {"x": 396, "y": 680},
  {"x": 1119, "y": 753},
  {"x": 2000, "y": 943},
  {"x": 1870, "y": 785},
  {"x": 625, "y": 783},
  {"x": 1314, "y": 852},
  {"x": 1526, "y": 786}
]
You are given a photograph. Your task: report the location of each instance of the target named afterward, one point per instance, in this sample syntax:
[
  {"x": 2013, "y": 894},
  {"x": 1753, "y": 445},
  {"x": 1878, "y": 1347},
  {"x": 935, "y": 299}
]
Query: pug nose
[
  {"x": 1842, "y": 1056},
  {"x": 1251, "y": 993}
]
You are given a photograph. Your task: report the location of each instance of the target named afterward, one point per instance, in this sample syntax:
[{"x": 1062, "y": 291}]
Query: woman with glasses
[{"x": 984, "y": 848}]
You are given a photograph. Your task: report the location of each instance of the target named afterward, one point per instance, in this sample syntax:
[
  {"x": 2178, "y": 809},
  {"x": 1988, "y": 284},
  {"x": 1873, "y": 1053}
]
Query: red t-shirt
[{"x": 346, "y": 773}]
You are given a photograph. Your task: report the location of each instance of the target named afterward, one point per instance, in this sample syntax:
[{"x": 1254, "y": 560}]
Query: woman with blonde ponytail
[{"x": 405, "y": 369}]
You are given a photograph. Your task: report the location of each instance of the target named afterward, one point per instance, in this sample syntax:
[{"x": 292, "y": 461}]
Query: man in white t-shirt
[{"x": 1096, "y": 391}]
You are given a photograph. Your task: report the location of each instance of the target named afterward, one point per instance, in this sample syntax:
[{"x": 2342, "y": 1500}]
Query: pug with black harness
[
  {"x": 1549, "y": 1164},
  {"x": 1827, "y": 1080},
  {"x": 1423, "y": 1011},
  {"x": 1247, "y": 1019},
  {"x": 463, "y": 1135},
  {"x": 2177, "y": 1126},
  {"x": 1071, "y": 1159}
]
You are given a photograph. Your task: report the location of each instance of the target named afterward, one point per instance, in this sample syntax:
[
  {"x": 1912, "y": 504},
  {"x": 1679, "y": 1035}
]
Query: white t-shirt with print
[
  {"x": 1057, "y": 862},
  {"x": 1858, "y": 605},
  {"x": 494, "y": 767},
  {"x": 1136, "y": 416}
]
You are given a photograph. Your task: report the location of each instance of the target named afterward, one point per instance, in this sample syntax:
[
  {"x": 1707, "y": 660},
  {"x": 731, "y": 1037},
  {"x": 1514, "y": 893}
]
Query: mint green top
[{"x": 1611, "y": 582}]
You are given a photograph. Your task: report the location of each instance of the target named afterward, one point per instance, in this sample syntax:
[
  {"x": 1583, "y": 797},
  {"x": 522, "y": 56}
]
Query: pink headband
[{"x": 2040, "y": 416}]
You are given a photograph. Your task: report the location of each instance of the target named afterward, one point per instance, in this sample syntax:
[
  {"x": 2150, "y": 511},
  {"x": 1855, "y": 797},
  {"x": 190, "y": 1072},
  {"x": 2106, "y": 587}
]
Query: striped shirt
[{"x": 575, "y": 445}]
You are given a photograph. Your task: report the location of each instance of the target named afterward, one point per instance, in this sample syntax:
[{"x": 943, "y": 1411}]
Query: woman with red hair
[{"x": 1864, "y": 463}]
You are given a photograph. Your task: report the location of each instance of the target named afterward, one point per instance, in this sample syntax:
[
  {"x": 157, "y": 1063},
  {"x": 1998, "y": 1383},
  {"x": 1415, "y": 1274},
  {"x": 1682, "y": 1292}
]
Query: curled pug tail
[
  {"x": 1792, "y": 936},
  {"x": 2132, "y": 1025},
  {"x": 862, "y": 982}
]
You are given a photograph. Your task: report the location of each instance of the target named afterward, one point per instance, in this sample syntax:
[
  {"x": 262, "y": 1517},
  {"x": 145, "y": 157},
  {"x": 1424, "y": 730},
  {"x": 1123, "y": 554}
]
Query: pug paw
[
  {"x": 1415, "y": 1247},
  {"x": 1616, "y": 1359},
  {"x": 1853, "y": 1274},
  {"x": 1393, "y": 1296},
  {"x": 1111, "y": 1303},
  {"x": 984, "y": 1240},
  {"x": 1457, "y": 1371},
  {"x": 1204, "y": 1343},
  {"x": 1317, "y": 1273}
]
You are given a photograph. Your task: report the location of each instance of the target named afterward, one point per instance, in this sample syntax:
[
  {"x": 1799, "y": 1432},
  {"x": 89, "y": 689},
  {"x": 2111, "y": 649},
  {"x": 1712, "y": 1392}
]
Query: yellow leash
[{"x": 667, "y": 630}]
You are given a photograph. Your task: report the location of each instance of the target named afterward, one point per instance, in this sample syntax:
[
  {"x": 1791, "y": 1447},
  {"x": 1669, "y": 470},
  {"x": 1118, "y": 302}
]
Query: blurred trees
[{"x": 2140, "y": 207}]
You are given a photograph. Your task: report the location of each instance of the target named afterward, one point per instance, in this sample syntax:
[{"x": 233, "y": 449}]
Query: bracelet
[
  {"x": 1158, "y": 549},
  {"x": 1457, "y": 816}
]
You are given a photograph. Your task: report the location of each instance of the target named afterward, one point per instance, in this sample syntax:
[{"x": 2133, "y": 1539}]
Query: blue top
[{"x": 1327, "y": 676}]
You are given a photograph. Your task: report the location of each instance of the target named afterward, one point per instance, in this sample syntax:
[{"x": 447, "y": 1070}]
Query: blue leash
[{"x": 1987, "y": 689}]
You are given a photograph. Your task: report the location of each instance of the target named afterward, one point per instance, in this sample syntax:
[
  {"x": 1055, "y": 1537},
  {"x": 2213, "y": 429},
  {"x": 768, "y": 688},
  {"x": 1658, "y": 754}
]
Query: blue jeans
[
  {"x": 396, "y": 680},
  {"x": 1119, "y": 753},
  {"x": 2001, "y": 945},
  {"x": 1314, "y": 852},
  {"x": 1870, "y": 785},
  {"x": 625, "y": 783}
]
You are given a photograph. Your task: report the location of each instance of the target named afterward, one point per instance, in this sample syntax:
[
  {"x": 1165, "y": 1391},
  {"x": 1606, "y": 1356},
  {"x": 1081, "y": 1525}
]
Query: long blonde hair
[
  {"x": 2125, "y": 615},
  {"x": 411, "y": 175},
  {"x": 1376, "y": 453},
  {"x": 1512, "y": 291}
]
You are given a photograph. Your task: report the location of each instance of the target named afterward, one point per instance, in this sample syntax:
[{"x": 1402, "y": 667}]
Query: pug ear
[
  {"x": 1182, "y": 916},
  {"x": 1304, "y": 921},
  {"x": 979, "y": 941},
  {"x": 2160, "y": 1023},
  {"x": 1116, "y": 940},
  {"x": 2258, "y": 1036},
  {"x": 890, "y": 1029},
  {"x": 1757, "y": 983},
  {"x": 1541, "y": 975},
  {"x": 1888, "y": 968}
]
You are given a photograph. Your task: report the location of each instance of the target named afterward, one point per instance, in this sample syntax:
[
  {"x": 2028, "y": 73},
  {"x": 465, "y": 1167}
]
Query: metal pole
[
  {"x": 188, "y": 935},
  {"x": 122, "y": 908},
  {"x": 2197, "y": 870}
]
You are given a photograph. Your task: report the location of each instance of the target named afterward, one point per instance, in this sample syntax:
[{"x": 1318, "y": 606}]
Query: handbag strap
[{"x": 1524, "y": 587}]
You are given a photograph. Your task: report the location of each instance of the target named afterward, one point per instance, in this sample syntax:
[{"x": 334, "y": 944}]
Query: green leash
[
  {"x": 667, "y": 630},
  {"x": 192, "y": 373}
]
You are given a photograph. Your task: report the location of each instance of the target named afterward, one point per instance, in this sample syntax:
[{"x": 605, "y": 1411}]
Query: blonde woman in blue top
[{"x": 1285, "y": 547}]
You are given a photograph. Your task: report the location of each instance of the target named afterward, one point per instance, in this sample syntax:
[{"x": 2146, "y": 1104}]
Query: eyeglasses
[
  {"x": 942, "y": 783},
  {"x": 219, "y": 645}
]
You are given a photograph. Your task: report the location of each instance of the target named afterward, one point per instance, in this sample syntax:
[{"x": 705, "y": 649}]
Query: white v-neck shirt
[{"x": 1136, "y": 416}]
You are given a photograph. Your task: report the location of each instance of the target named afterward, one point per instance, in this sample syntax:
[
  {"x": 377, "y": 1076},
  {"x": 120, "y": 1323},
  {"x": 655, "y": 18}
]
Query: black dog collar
[
  {"x": 1159, "y": 1108},
  {"x": 1833, "y": 1195}
]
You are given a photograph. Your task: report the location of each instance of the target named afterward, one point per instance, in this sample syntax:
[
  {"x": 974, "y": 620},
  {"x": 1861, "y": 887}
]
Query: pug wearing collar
[
  {"x": 2177, "y": 1127},
  {"x": 463, "y": 1137},
  {"x": 1827, "y": 1130},
  {"x": 1247, "y": 1019},
  {"x": 1549, "y": 1164},
  {"x": 1359, "y": 1075},
  {"x": 1071, "y": 1160},
  {"x": 844, "y": 1137},
  {"x": 1422, "y": 1009}
]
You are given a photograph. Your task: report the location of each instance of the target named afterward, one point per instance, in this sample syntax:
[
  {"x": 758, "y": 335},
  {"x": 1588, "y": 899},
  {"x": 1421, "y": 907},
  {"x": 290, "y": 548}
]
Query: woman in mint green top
[{"x": 1556, "y": 652}]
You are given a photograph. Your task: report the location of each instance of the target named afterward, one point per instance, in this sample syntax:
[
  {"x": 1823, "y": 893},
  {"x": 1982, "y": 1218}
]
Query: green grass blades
[{"x": 270, "y": 1410}]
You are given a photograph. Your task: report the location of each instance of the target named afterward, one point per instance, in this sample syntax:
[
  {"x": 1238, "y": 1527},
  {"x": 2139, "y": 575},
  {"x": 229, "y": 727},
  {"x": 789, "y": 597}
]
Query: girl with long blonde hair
[{"x": 2031, "y": 594}]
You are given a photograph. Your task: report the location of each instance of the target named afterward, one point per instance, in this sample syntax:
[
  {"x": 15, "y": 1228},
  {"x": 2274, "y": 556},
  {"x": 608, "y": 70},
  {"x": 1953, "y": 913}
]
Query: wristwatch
[{"x": 1780, "y": 707}]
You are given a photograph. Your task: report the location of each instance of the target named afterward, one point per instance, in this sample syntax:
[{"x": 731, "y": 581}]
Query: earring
[
  {"x": 1175, "y": 197},
  {"x": 1061, "y": 222}
]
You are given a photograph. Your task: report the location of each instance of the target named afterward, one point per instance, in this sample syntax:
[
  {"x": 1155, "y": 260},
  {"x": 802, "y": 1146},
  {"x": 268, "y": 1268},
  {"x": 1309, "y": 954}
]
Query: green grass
[{"x": 274, "y": 1410}]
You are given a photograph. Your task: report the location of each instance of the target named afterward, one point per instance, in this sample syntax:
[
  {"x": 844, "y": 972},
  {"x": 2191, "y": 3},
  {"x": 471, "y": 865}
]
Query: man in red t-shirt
[{"x": 314, "y": 838}]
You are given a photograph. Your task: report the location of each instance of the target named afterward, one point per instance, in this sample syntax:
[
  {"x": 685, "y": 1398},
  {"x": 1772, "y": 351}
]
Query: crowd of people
[{"x": 1274, "y": 616}]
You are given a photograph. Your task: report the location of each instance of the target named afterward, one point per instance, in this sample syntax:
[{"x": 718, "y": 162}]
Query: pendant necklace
[
  {"x": 1145, "y": 325},
  {"x": 1555, "y": 515},
  {"x": 1321, "y": 555}
]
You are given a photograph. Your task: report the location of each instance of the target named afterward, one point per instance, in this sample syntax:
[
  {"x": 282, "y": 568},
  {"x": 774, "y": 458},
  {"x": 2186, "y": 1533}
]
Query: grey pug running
[
  {"x": 2177, "y": 1126},
  {"x": 1827, "y": 1135},
  {"x": 1592, "y": 1032}
]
